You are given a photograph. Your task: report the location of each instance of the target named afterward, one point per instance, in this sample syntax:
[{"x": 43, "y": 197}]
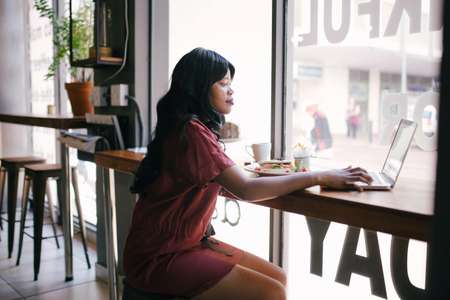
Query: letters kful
[{"x": 370, "y": 8}]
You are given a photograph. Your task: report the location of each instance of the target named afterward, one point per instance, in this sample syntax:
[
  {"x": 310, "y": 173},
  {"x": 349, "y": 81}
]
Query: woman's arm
[
  {"x": 261, "y": 188},
  {"x": 225, "y": 193}
]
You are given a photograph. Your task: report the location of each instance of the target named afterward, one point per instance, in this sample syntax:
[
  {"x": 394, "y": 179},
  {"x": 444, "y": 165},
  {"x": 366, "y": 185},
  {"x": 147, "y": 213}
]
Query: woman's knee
[
  {"x": 275, "y": 291},
  {"x": 262, "y": 266},
  {"x": 281, "y": 277},
  {"x": 245, "y": 283}
]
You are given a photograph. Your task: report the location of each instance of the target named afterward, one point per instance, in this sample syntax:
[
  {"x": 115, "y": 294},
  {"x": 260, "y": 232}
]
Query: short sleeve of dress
[{"x": 203, "y": 159}]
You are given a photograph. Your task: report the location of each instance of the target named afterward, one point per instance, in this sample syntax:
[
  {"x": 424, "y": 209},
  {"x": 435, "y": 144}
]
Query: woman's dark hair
[{"x": 188, "y": 98}]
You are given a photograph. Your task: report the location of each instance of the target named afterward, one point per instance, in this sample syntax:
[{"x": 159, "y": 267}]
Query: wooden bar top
[
  {"x": 119, "y": 160},
  {"x": 406, "y": 211},
  {"x": 49, "y": 121}
]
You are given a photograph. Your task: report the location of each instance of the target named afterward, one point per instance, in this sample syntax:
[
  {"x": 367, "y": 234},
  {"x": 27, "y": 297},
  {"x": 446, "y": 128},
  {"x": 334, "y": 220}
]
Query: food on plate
[{"x": 275, "y": 167}]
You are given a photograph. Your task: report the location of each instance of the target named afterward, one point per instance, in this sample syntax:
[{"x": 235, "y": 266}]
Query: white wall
[
  {"x": 141, "y": 71},
  {"x": 14, "y": 75}
]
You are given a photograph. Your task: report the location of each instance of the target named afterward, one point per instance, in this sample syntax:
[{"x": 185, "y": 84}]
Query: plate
[{"x": 256, "y": 168}]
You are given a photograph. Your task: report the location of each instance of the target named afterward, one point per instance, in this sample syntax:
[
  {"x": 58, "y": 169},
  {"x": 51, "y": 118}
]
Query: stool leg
[
  {"x": 39, "y": 184},
  {"x": 2, "y": 189},
  {"x": 26, "y": 191},
  {"x": 13, "y": 177},
  {"x": 50, "y": 207},
  {"x": 80, "y": 213}
]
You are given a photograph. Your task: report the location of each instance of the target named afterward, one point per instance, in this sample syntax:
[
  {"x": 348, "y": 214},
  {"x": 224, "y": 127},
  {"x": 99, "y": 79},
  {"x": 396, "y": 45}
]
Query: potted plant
[{"x": 79, "y": 89}]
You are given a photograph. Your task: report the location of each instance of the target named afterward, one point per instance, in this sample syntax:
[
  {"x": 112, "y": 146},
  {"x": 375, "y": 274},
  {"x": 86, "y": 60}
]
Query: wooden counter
[
  {"x": 119, "y": 160},
  {"x": 49, "y": 121},
  {"x": 406, "y": 211}
]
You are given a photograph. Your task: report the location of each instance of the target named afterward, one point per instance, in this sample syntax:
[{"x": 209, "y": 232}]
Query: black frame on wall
[{"x": 438, "y": 273}]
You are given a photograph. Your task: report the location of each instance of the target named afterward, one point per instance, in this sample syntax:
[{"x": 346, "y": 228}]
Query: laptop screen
[{"x": 399, "y": 148}]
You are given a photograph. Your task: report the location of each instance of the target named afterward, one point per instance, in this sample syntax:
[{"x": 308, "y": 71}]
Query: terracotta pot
[{"x": 79, "y": 95}]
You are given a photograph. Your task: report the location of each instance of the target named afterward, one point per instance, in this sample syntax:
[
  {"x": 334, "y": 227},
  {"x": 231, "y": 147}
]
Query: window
[
  {"x": 42, "y": 90},
  {"x": 225, "y": 28},
  {"x": 86, "y": 171},
  {"x": 375, "y": 68},
  {"x": 40, "y": 51},
  {"x": 42, "y": 95}
]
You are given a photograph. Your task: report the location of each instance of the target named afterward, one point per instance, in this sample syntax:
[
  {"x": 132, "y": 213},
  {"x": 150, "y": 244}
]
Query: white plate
[{"x": 255, "y": 168}]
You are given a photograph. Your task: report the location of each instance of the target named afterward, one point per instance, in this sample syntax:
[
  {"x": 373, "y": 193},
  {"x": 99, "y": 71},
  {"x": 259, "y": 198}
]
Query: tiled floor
[{"x": 16, "y": 282}]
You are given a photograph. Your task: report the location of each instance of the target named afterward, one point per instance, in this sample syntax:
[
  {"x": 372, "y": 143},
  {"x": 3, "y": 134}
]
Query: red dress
[{"x": 164, "y": 253}]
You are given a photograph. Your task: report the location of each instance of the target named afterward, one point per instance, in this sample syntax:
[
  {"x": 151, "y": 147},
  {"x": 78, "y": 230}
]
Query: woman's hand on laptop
[{"x": 344, "y": 178}]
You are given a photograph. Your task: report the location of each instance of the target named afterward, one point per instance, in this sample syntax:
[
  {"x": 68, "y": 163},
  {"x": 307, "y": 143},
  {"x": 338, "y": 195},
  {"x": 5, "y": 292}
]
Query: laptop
[{"x": 386, "y": 179}]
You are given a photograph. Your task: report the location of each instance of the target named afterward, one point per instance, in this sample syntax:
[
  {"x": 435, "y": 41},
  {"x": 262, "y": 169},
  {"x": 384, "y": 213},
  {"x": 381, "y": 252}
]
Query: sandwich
[{"x": 276, "y": 166}]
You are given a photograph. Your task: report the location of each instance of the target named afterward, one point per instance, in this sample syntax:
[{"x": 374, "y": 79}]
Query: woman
[{"x": 178, "y": 182}]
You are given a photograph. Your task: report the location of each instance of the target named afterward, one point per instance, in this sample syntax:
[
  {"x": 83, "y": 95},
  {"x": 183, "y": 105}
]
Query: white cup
[
  {"x": 302, "y": 164},
  {"x": 51, "y": 109},
  {"x": 259, "y": 152}
]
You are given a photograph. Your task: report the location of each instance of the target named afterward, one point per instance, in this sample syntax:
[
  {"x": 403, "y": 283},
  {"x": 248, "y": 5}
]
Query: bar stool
[
  {"x": 25, "y": 200},
  {"x": 12, "y": 166},
  {"x": 38, "y": 175}
]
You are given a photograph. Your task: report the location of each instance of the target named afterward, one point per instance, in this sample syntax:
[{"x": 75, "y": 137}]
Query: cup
[
  {"x": 51, "y": 110},
  {"x": 259, "y": 152},
  {"x": 302, "y": 164}
]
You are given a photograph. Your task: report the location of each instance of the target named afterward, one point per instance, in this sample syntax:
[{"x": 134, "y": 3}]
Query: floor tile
[
  {"x": 16, "y": 282},
  {"x": 49, "y": 251},
  {"x": 52, "y": 270},
  {"x": 7, "y": 292},
  {"x": 51, "y": 276},
  {"x": 90, "y": 290}
]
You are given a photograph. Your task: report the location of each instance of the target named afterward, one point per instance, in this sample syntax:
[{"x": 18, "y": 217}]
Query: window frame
[{"x": 278, "y": 119}]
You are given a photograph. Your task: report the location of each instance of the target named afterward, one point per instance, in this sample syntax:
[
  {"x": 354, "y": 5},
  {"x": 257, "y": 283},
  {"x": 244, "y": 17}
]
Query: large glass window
[
  {"x": 83, "y": 14},
  {"x": 43, "y": 95},
  {"x": 42, "y": 90},
  {"x": 40, "y": 51},
  {"x": 359, "y": 66},
  {"x": 225, "y": 27}
]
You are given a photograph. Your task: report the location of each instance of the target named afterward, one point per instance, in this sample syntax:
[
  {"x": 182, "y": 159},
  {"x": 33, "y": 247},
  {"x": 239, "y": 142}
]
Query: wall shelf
[
  {"x": 101, "y": 29},
  {"x": 102, "y": 61}
]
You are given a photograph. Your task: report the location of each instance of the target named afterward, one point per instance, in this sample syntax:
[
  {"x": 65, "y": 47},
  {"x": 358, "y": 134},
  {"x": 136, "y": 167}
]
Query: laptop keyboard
[{"x": 377, "y": 179}]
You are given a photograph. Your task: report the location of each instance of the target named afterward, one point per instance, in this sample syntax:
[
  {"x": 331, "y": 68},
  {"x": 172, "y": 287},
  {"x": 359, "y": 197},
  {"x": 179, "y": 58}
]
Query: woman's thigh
[
  {"x": 245, "y": 284},
  {"x": 263, "y": 266}
]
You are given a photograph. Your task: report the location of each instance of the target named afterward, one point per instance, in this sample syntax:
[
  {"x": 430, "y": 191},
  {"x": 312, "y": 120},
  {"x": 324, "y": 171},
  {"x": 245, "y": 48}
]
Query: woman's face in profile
[{"x": 222, "y": 95}]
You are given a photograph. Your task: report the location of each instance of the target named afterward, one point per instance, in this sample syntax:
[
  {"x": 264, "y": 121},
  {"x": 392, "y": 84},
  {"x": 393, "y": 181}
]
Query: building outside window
[
  {"x": 358, "y": 104},
  {"x": 377, "y": 65}
]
